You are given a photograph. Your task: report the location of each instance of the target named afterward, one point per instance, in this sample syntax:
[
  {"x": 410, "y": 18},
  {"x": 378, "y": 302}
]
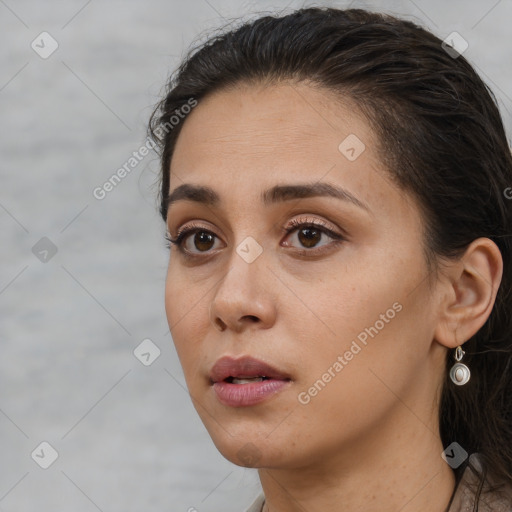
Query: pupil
[
  {"x": 311, "y": 237},
  {"x": 202, "y": 238}
]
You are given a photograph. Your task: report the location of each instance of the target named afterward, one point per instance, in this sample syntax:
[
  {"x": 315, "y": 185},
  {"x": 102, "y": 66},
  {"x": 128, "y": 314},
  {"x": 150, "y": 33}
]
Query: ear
[{"x": 468, "y": 292}]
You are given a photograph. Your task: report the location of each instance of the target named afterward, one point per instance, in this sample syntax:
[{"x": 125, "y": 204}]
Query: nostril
[{"x": 219, "y": 323}]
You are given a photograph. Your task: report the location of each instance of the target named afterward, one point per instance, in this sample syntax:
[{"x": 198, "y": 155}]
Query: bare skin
[{"x": 368, "y": 439}]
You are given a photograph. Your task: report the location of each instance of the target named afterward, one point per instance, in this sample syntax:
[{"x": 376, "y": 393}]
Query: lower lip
[{"x": 243, "y": 395}]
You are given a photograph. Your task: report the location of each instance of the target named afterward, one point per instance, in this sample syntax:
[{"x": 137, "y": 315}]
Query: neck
[{"x": 405, "y": 472}]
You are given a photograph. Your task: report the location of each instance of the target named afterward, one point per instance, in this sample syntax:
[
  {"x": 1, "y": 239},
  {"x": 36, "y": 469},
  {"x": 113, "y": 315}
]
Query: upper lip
[{"x": 244, "y": 366}]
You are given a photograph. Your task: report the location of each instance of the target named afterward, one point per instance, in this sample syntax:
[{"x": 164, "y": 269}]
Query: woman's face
[{"x": 339, "y": 308}]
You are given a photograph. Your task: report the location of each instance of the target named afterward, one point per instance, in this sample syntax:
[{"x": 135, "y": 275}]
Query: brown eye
[
  {"x": 203, "y": 240},
  {"x": 194, "y": 241},
  {"x": 309, "y": 237}
]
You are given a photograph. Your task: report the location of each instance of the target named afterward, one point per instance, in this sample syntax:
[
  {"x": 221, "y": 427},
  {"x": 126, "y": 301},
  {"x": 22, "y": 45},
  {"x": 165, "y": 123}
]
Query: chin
[
  {"x": 250, "y": 454},
  {"x": 245, "y": 445}
]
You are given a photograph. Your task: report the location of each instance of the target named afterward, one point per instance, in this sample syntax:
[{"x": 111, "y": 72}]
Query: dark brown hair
[{"x": 441, "y": 139}]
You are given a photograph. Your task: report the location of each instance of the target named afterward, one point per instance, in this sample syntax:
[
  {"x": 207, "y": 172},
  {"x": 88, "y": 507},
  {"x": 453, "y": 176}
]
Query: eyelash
[{"x": 294, "y": 225}]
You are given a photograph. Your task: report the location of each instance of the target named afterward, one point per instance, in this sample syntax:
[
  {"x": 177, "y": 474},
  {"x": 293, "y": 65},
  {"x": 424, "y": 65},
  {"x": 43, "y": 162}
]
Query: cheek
[
  {"x": 175, "y": 300},
  {"x": 187, "y": 315},
  {"x": 349, "y": 299},
  {"x": 352, "y": 384},
  {"x": 185, "y": 299},
  {"x": 367, "y": 308}
]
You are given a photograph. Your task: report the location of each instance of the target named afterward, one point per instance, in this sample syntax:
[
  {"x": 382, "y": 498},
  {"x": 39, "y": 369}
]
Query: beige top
[{"x": 464, "y": 496}]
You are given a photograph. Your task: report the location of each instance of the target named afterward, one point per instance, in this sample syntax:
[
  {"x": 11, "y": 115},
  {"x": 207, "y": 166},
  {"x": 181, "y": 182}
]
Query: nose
[{"x": 243, "y": 298}]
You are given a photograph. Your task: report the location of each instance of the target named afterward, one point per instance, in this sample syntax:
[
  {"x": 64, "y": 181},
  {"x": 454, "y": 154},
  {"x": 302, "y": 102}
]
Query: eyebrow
[{"x": 279, "y": 193}]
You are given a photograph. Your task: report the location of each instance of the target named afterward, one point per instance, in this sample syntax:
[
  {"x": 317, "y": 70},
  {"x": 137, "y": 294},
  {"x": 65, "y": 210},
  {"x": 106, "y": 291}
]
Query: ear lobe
[{"x": 469, "y": 292}]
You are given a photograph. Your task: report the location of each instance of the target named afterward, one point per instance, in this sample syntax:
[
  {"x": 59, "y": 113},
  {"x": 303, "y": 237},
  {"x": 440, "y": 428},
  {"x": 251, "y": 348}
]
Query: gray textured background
[{"x": 127, "y": 436}]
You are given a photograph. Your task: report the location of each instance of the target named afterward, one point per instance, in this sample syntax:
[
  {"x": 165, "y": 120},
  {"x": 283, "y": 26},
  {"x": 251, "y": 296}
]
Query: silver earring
[{"x": 459, "y": 373}]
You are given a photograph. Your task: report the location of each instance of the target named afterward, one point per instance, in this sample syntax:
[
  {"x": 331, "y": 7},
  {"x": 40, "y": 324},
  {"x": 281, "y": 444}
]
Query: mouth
[{"x": 246, "y": 381}]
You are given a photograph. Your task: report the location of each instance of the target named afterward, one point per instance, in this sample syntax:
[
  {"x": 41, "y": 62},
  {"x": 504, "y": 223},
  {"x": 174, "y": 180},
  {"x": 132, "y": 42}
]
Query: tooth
[{"x": 247, "y": 381}]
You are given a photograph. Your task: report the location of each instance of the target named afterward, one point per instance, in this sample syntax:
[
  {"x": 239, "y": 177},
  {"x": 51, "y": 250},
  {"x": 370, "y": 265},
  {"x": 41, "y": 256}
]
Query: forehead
[{"x": 261, "y": 127}]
